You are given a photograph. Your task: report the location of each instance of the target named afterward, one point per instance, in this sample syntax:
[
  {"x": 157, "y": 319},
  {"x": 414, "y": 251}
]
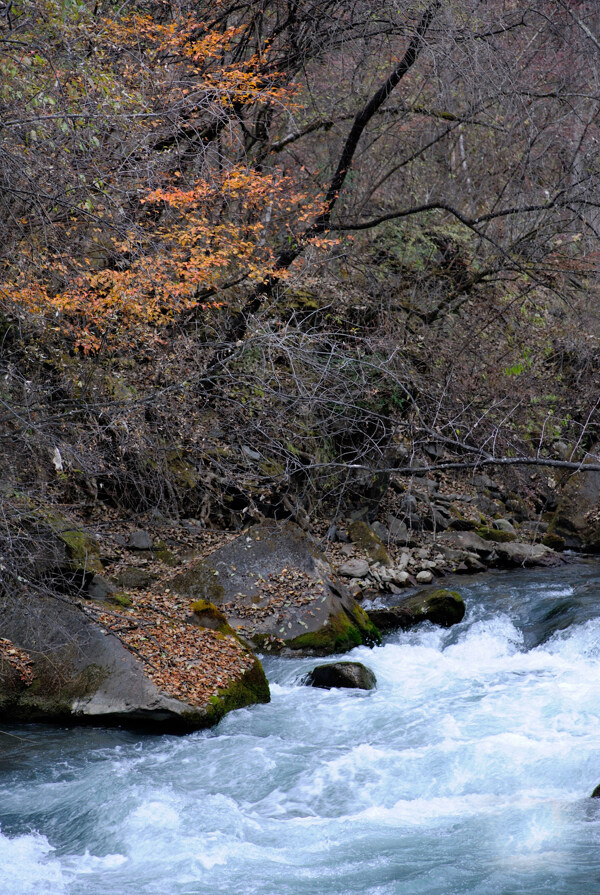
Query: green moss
[
  {"x": 494, "y": 534},
  {"x": 554, "y": 541},
  {"x": 183, "y": 471},
  {"x": 207, "y": 615},
  {"x": 340, "y": 634},
  {"x": 250, "y": 689},
  {"x": 164, "y": 555},
  {"x": 119, "y": 599},
  {"x": 366, "y": 539}
]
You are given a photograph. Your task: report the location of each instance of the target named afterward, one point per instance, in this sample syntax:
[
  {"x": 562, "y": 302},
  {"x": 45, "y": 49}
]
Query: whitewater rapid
[{"x": 468, "y": 770}]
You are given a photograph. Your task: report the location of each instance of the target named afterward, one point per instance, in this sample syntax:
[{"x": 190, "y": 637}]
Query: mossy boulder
[
  {"x": 365, "y": 539},
  {"x": 207, "y": 615},
  {"x": 440, "y": 607},
  {"x": 279, "y": 592},
  {"x": 495, "y": 534}
]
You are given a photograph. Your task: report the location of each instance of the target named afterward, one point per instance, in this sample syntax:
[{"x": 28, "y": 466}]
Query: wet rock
[
  {"x": 279, "y": 592},
  {"x": 596, "y": 793},
  {"x": 441, "y": 607},
  {"x": 350, "y": 675},
  {"x": 354, "y": 568}
]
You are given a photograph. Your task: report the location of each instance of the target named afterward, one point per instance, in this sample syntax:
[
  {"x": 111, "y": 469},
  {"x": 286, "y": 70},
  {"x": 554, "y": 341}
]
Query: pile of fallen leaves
[
  {"x": 183, "y": 660},
  {"x": 18, "y": 658},
  {"x": 277, "y": 596}
]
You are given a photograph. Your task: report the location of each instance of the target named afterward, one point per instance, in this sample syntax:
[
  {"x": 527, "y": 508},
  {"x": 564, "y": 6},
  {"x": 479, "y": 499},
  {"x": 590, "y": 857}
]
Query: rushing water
[{"x": 468, "y": 770}]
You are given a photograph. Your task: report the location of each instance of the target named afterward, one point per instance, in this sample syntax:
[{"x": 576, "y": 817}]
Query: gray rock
[
  {"x": 425, "y": 576},
  {"x": 441, "y": 607},
  {"x": 350, "y": 675},
  {"x": 504, "y": 525},
  {"x": 577, "y": 516},
  {"x": 468, "y": 541},
  {"x": 516, "y": 553},
  {"x": 99, "y": 588},
  {"x": 279, "y": 592},
  {"x": 398, "y": 530},
  {"x": 250, "y": 453},
  {"x": 131, "y": 578},
  {"x": 82, "y": 673},
  {"x": 354, "y": 568},
  {"x": 381, "y": 531},
  {"x": 139, "y": 540}
]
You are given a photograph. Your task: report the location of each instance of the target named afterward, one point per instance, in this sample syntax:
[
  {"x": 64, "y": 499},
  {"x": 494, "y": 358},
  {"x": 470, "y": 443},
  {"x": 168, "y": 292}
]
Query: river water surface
[{"x": 468, "y": 770}]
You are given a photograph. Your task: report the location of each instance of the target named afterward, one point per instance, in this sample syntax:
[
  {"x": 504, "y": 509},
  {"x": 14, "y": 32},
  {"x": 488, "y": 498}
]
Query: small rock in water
[
  {"x": 351, "y": 675},
  {"x": 596, "y": 793}
]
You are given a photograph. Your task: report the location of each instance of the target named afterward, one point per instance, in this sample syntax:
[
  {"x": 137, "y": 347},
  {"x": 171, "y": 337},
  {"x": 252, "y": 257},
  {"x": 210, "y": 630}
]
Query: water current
[{"x": 468, "y": 770}]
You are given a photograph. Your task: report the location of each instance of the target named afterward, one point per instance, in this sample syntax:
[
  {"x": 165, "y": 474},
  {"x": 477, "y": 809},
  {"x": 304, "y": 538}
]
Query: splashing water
[{"x": 468, "y": 770}]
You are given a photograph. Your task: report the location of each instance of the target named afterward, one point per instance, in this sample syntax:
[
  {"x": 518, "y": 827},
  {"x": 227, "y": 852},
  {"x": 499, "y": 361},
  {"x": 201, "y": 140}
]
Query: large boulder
[
  {"x": 279, "y": 593},
  {"x": 518, "y": 553},
  {"x": 577, "y": 516},
  {"x": 440, "y": 607},
  {"x": 349, "y": 675},
  {"x": 66, "y": 661}
]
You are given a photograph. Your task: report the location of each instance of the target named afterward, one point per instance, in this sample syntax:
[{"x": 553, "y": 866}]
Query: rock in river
[
  {"x": 279, "y": 592},
  {"x": 441, "y": 607},
  {"x": 352, "y": 675}
]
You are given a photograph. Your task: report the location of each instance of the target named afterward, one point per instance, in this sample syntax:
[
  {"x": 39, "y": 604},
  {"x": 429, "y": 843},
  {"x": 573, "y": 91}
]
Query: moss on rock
[
  {"x": 365, "y": 538},
  {"x": 495, "y": 534}
]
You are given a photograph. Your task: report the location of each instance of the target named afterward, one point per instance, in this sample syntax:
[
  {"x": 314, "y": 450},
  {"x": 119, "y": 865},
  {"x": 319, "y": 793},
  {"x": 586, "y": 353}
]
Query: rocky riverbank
[{"x": 159, "y": 624}]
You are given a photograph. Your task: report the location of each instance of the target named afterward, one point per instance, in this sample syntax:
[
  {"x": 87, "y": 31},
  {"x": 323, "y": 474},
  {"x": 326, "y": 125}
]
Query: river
[{"x": 468, "y": 770}]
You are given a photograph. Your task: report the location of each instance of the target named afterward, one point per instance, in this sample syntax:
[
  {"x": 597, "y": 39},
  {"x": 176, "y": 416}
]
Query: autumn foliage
[{"x": 127, "y": 169}]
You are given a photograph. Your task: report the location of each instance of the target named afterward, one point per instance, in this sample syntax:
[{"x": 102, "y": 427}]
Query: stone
[
  {"x": 132, "y": 578},
  {"x": 82, "y": 673},
  {"x": 441, "y": 607},
  {"x": 47, "y": 544},
  {"x": 468, "y": 541},
  {"x": 519, "y": 553},
  {"x": 504, "y": 525},
  {"x": 139, "y": 540},
  {"x": 354, "y": 568},
  {"x": 596, "y": 793},
  {"x": 425, "y": 576},
  {"x": 350, "y": 675},
  {"x": 381, "y": 531},
  {"x": 100, "y": 589},
  {"x": 499, "y": 536},
  {"x": 279, "y": 593},
  {"x": 364, "y": 537},
  {"x": 398, "y": 530}
]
